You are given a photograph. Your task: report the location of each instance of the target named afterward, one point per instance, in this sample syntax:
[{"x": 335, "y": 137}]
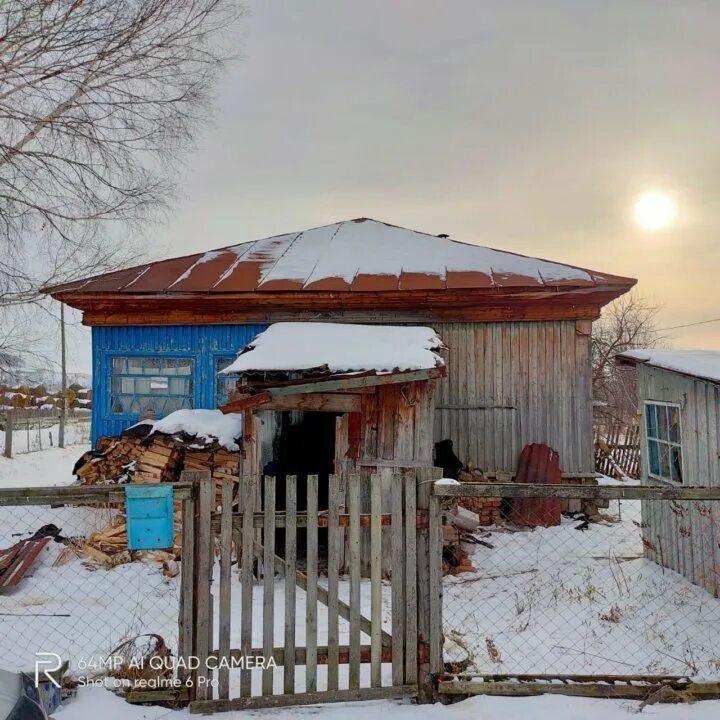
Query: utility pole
[{"x": 63, "y": 379}]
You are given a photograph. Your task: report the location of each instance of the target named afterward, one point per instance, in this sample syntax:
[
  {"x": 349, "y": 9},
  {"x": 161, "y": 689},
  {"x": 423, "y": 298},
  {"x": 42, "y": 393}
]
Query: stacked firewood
[
  {"x": 156, "y": 458},
  {"x": 112, "y": 462},
  {"x": 161, "y": 461}
]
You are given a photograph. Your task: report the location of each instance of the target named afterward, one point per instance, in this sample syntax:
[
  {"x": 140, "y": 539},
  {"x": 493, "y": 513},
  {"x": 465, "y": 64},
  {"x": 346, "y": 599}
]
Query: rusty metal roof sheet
[{"x": 354, "y": 256}]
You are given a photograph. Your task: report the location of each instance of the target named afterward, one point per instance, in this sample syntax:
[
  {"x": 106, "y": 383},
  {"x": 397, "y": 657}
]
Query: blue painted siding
[{"x": 203, "y": 343}]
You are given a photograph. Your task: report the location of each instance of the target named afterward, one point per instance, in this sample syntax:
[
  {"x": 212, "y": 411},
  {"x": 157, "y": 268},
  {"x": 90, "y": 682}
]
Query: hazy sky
[{"x": 527, "y": 125}]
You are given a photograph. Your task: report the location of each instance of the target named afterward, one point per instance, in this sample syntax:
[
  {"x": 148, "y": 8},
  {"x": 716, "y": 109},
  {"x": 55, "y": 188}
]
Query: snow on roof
[
  {"x": 339, "y": 348},
  {"x": 704, "y": 364},
  {"x": 352, "y": 255},
  {"x": 204, "y": 424}
]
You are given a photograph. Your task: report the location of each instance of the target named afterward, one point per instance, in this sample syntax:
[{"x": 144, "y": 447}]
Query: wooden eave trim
[
  {"x": 329, "y": 385},
  {"x": 341, "y": 299},
  {"x": 492, "y": 305}
]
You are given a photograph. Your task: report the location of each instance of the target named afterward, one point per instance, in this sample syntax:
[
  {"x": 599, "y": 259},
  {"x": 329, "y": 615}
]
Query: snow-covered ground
[
  {"x": 32, "y": 437},
  {"x": 576, "y": 601},
  {"x": 549, "y": 600},
  {"x": 92, "y": 703}
]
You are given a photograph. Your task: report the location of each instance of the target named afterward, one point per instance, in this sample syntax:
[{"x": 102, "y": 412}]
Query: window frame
[
  {"x": 215, "y": 356},
  {"x": 193, "y": 375},
  {"x": 667, "y": 442}
]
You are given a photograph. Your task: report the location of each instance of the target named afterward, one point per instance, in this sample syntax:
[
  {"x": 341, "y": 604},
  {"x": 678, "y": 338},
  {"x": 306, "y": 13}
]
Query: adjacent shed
[
  {"x": 516, "y": 328},
  {"x": 679, "y": 398}
]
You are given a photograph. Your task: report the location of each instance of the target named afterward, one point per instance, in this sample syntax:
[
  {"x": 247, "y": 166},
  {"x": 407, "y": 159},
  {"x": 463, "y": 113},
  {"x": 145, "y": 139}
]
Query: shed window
[
  {"x": 662, "y": 428},
  {"x": 224, "y": 384},
  {"x": 150, "y": 385}
]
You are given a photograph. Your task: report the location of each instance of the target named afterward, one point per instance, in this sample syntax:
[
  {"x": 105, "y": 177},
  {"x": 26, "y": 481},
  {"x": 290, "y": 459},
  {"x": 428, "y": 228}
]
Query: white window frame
[{"x": 668, "y": 442}]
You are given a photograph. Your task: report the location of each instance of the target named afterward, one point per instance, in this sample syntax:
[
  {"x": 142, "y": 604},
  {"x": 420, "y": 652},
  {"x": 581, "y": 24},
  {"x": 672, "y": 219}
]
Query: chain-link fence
[
  {"x": 70, "y": 586},
  {"x": 594, "y": 581}
]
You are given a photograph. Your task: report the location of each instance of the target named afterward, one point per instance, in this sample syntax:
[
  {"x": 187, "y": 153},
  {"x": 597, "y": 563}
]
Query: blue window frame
[
  {"x": 224, "y": 384},
  {"x": 151, "y": 385},
  {"x": 663, "y": 432}
]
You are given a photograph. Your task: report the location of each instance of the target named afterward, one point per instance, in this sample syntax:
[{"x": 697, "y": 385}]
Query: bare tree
[
  {"x": 628, "y": 323},
  {"x": 98, "y": 101}
]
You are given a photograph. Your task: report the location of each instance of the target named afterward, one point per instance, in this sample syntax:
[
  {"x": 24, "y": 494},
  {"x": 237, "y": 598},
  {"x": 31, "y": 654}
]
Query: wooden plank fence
[
  {"x": 380, "y": 659},
  {"x": 617, "y": 450}
]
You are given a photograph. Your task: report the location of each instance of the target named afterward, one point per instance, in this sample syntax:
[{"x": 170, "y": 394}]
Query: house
[
  {"x": 516, "y": 328},
  {"x": 679, "y": 399}
]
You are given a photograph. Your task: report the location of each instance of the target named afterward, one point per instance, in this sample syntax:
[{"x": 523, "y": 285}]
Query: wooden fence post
[
  {"x": 8, "y": 433},
  {"x": 187, "y": 609},
  {"x": 204, "y": 494},
  {"x": 429, "y": 587}
]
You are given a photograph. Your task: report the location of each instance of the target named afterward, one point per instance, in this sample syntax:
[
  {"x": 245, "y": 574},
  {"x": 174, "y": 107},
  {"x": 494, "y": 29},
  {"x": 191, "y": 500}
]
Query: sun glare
[{"x": 654, "y": 211}]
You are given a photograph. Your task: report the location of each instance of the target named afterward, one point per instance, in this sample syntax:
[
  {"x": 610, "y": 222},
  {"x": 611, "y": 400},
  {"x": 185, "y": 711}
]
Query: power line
[{"x": 677, "y": 327}]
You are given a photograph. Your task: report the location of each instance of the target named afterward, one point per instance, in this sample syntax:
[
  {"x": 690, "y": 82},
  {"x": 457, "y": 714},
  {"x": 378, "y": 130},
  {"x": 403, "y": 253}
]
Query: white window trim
[{"x": 670, "y": 443}]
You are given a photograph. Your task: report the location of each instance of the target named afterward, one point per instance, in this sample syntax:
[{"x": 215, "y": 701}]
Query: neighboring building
[
  {"x": 679, "y": 399},
  {"x": 517, "y": 328}
]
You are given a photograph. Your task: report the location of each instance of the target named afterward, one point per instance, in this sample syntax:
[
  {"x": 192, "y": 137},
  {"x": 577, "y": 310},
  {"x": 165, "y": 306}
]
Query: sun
[{"x": 654, "y": 211}]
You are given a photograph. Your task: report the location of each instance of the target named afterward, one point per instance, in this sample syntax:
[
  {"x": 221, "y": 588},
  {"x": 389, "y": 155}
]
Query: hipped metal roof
[{"x": 354, "y": 255}]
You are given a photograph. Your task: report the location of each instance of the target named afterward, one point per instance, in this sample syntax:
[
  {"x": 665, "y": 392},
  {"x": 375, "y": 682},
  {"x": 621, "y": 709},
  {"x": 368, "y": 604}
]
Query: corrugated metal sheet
[
  {"x": 514, "y": 383},
  {"x": 354, "y": 255},
  {"x": 539, "y": 465},
  {"x": 204, "y": 343},
  {"x": 685, "y": 536}
]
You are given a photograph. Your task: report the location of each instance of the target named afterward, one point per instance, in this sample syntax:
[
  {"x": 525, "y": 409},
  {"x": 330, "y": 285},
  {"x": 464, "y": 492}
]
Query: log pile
[{"x": 156, "y": 457}]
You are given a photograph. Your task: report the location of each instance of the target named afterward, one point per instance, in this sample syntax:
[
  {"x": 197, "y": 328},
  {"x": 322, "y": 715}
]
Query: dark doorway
[{"x": 305, "y": 446}]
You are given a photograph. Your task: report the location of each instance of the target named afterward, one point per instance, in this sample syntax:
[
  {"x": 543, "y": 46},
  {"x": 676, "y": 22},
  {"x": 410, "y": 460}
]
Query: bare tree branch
[
  {"x": 99, "y": 101},
  {"x": 628, "y": 323}
]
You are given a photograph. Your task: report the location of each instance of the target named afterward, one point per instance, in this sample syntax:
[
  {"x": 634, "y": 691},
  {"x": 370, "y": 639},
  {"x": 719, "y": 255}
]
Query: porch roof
[{"x": 312, "y": 348}]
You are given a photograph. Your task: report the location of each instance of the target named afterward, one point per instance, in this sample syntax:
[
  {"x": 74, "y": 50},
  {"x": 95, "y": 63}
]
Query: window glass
[
  {"x": 153, "y": 386},
  {"x": 662, "y": 427},
  {"x": 651, "y": 420},
  {"x": 224, "y": 384}
]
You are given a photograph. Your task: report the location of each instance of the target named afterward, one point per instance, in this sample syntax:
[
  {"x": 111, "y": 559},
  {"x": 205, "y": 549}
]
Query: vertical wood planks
[
  {"x": 187, "y": 580},
  {"x": 311, "y": 607},
  {"x": 375, "y": 580},
  {"x": 225, "y": 589},
  {"x": 354, "y": 561},
  {"x": 410, "y": 581},
  {"x": 206, "y": 501},
  {"x": 398, "y": 566},
  {"x": 268, "y": 582},
  {"x": 435, "y": 546},
  {"x": 249, "y": 485},
  {"x": 334, "y": 543},
  {"x": 290, "y": 569},
  {"x": 429, "y": 566}
]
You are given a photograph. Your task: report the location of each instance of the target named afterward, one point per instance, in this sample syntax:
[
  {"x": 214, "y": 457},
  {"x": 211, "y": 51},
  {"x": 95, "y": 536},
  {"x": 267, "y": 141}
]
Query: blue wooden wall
[{"x": 204, "y": 343}]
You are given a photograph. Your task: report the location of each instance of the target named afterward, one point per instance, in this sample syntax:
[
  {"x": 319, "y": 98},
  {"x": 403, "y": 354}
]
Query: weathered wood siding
[
  {"x": 685, "y": 536},
  {"x": 514, "y": 383}
]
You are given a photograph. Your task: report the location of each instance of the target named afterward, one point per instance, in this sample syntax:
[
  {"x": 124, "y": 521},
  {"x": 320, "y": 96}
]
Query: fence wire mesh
[
  {"x": 85, "y": 594},
  {"x": 30, "y": 430},
  {"x": 629, "y": 589}
]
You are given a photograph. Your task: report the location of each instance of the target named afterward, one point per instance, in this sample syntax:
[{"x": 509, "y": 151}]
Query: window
[
  {"x": 224, "y": 384},
  {"x": 150, "y": 385},
  {"x": 662, "y": 427}
]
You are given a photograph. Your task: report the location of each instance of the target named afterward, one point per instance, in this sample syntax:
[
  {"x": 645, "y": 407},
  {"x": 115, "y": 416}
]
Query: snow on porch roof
[
  {"x": 353, "y": 255},
  {"x": 702, "y": 364},
  {"x": 339, "y": 348}
]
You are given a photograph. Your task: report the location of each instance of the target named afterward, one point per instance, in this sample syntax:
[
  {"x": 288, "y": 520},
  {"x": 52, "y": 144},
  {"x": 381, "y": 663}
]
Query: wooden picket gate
[{"x": 232, "y": 627}]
